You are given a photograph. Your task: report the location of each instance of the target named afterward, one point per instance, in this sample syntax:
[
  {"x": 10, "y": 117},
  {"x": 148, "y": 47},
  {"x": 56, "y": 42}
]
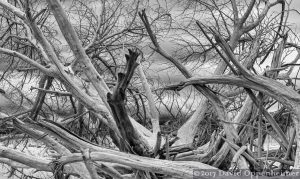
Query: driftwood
[
  {"x": 130, "y": 139},
  {"x": 174, "y": 168}
]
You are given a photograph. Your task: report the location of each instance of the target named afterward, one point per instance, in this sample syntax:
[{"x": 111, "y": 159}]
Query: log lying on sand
[{"x": 178, "y": 169}]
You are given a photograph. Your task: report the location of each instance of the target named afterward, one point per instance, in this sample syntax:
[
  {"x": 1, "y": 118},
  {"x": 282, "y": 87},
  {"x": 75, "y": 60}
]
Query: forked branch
[{"x": 131, "y": 141}]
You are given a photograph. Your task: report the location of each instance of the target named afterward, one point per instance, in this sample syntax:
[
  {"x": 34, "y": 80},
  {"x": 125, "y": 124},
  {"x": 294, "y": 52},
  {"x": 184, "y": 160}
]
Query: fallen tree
[{"x": 236, "y": 98}]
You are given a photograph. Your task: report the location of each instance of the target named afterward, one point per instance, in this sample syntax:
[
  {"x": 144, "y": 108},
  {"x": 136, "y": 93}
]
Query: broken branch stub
[{"x": 131, "y": 140}]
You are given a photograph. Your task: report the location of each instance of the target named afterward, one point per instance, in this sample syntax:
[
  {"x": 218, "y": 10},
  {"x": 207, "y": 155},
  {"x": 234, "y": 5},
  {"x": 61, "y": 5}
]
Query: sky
[{"x": 295, "y": 16}]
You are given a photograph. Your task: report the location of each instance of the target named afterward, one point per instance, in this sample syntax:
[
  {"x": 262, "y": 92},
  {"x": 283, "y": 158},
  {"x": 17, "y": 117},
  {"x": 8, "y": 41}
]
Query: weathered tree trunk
[{"x": 130, "y": 139}]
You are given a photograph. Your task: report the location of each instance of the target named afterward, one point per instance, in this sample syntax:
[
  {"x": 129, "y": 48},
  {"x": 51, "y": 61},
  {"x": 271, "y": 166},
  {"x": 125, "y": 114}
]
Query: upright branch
[
  {"x": 235, "y": 11},
  {"x": 276, "y": 61},
  {"x": 158, "y": 49},
  {"x": 89, "y": 164},
  {"x": 247, "y": 13},
  {"x": 226, "y": 48},
  {"x": 216, "y": 48},
  {"x": 268, "y": 116},
  {"x": 261, "y": 16},
  {"x": 131, "y": 140},
  {"x": 76, "y": 46},
  {"x": 41, "y": 96},
  {"x": 152, "y": 108}
]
